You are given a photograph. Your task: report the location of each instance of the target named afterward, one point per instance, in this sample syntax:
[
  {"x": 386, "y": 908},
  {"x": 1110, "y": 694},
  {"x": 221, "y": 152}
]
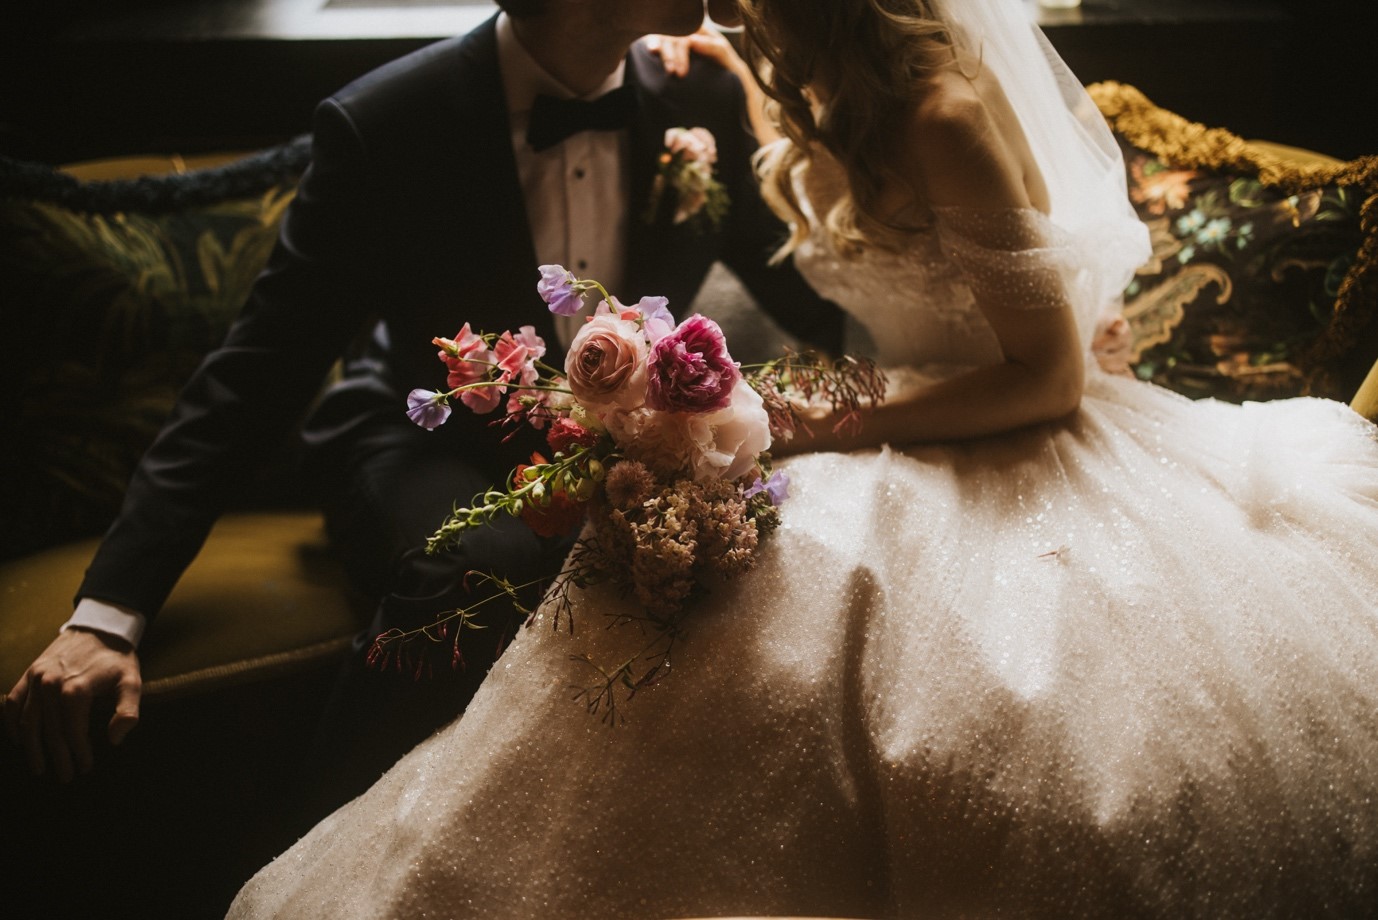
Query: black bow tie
[{"x": 553, "y": 120}]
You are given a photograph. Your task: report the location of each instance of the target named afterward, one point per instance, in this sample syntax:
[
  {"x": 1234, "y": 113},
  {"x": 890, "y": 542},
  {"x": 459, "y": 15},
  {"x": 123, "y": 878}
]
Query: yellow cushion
[
  {"x": 1365, "y": 402},
  {"x": 263, "y": 598}
]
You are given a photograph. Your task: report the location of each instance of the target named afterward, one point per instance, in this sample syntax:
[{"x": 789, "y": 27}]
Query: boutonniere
[{"x": 686, "y": 172}]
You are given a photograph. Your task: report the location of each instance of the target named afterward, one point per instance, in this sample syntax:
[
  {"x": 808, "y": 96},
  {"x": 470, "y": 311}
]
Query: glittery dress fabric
[{"x": 1119, "y": 666}]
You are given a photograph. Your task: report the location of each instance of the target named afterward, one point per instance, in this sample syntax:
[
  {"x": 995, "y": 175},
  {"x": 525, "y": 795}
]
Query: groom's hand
[{"x": 48, "y": 712}]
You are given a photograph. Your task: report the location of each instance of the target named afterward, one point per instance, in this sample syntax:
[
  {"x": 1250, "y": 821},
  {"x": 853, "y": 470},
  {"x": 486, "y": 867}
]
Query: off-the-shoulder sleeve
[{"x": 1010, "y": 257}]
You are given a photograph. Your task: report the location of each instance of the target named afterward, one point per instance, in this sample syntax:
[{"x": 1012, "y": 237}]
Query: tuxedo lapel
[
  {"x": 664, "y": 258},
  {"x": 503, "y": 289},
  {"x": 657, "y": 260}
]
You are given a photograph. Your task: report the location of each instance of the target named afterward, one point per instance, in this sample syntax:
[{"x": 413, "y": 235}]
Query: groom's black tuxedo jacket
[{"x": 411, "y": 221}]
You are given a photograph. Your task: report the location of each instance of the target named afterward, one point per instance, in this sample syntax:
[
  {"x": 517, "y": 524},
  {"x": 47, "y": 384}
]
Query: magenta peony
[{"x": 690, "y": 369}]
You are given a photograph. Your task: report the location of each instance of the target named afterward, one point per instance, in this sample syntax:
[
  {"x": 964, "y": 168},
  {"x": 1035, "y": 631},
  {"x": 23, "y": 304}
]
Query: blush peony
[{"x": 727, "y": 442}]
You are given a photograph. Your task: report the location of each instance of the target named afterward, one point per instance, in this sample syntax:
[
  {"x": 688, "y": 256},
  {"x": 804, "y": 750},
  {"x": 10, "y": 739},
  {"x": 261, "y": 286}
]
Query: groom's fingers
[
  {"x": 14, "y": 705},
  {"x": 76, "y": 725},
  {"x": 126, "y": 708},
  {"x": 54, "y": 738}
]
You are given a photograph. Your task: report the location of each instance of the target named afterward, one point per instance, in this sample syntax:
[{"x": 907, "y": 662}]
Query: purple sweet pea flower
[
  {"x": 777, "y": 488},
  {"x": 558, "y": 290},
  {"x": 428, "y": 408},
  {"x": 690, "y": 369},
  {"x": 657, "y": 320}
]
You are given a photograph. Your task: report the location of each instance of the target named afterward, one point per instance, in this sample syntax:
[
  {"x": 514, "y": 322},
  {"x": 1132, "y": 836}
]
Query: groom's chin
[{"x": 723, "y": 12}]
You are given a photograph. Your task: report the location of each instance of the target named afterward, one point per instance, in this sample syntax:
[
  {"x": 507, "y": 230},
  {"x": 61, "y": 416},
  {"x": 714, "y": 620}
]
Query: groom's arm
[{"x": 244, "y": 398}]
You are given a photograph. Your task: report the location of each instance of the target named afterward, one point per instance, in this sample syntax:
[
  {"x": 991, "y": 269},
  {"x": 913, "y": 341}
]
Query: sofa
[{"x": 117, "y": 277}]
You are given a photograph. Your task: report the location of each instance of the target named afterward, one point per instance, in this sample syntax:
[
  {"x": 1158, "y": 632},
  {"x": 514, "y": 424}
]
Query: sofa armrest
[{"x": 1365, "y": 401}]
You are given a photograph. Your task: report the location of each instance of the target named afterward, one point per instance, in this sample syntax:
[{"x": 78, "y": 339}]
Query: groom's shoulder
[{"x": 442, "y": 73}]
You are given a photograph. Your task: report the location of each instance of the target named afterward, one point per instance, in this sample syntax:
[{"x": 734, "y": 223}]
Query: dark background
[{"x": 78, "y": 82}]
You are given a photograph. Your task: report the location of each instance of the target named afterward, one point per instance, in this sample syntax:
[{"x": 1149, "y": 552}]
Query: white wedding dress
[{"x": 1121, "y": 666}]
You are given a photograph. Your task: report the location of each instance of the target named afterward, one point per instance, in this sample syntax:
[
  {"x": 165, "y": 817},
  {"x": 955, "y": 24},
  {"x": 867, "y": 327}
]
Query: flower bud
[
  {"x": 596, "y": 470},
  {"x": 583, "y": 490}
]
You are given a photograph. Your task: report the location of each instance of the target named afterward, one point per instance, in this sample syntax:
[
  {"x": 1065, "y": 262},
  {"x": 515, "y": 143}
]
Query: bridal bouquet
[{"x": 659, "y": 447}]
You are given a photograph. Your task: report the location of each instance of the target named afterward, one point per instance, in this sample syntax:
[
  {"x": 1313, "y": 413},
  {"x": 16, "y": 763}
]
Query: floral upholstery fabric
[
  {"x": 1263, "y": 281},
  {"x": 113, "y": 293}
]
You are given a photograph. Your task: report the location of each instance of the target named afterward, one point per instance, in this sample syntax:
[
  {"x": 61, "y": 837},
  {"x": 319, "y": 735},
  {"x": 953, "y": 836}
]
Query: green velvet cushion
[
  {"x": 263, "y": 598},
  {"x": 112, "y": 294},
  {"x": 1264, "y": 282}
]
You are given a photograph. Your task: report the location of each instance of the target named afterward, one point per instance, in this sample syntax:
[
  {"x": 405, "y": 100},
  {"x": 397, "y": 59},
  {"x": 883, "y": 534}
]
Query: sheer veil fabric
[{"x": 1073, "y": 146}]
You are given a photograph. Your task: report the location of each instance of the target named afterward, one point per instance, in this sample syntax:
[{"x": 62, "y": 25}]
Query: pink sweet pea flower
[
  {"x": 527, "y": 336},
  {"x": 481, "y": 399},
  {"x": 513, "y": 358},
  {"x": 467, "y": 357}
]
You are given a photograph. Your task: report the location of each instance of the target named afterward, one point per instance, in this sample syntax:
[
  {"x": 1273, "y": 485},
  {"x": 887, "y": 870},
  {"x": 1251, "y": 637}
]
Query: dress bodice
[
  {"x": 929, "y": 318},
  {"x": 914, "y": 303},
  {"x": 920, "y": 303}
]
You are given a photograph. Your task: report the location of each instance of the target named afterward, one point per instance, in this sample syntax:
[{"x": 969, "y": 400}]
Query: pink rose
[
  {"x": 606, "y": 365},
  {"x": 695, "y": 145},
  {"x": 690, "y": 370},
  {"x": 726, "y": 443}
]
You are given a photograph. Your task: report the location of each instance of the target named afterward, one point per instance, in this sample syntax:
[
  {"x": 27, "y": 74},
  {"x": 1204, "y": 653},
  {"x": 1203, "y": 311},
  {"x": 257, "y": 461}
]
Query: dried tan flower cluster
[{"x": 674, "y": 535}]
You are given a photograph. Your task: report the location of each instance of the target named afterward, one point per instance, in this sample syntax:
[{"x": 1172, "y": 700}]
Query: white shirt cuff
[{"x": 111, "y": 619}]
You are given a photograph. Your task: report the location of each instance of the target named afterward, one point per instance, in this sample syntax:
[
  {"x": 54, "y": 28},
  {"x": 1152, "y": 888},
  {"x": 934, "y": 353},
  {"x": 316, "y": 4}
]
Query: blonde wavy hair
[{"x": 841, "y": 75}]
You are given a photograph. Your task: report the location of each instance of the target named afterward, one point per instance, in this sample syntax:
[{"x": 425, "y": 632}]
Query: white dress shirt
[
  {"x": 578, "y": 192},
  {"x": 577, "y": 201}
]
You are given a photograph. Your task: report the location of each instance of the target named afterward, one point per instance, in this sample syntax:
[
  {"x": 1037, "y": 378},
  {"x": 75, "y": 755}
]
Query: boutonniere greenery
[{"x": 685, "y": 172}]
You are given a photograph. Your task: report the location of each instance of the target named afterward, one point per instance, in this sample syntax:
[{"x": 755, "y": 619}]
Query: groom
[{"x": 438, "y": 183}]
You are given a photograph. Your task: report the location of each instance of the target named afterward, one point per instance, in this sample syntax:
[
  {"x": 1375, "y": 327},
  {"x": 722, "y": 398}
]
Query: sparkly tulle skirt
[{"x": 1123, "y": 666}]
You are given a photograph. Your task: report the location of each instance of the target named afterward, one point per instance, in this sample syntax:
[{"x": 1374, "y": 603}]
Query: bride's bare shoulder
[{"x": 958, "y": 146}]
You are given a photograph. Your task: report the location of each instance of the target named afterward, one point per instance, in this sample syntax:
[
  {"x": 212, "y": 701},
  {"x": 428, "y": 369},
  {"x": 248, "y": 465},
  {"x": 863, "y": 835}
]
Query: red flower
[
  {"x": 566, "y": 432},
  {"x": 555, "y": 519}
]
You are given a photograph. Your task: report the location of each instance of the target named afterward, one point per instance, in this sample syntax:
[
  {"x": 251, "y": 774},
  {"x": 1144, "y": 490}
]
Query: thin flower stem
[{"x": 480, "y": 384}]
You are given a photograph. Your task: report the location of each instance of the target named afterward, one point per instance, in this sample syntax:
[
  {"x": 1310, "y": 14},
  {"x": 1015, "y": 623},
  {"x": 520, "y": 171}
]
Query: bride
[{"x": 1042, "y": 642}]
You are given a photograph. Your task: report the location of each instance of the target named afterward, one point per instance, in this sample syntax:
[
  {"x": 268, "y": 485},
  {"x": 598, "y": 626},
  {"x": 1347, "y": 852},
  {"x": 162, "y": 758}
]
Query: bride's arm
[
  {"x": 957, "y": 160},
  {"x": 674, "y": 52}
]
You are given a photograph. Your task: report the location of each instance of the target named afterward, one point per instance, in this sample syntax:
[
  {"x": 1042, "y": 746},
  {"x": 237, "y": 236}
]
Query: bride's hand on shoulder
[
  {"x": 708, "y": 42},
  {"x": 676, "y": 50}
]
